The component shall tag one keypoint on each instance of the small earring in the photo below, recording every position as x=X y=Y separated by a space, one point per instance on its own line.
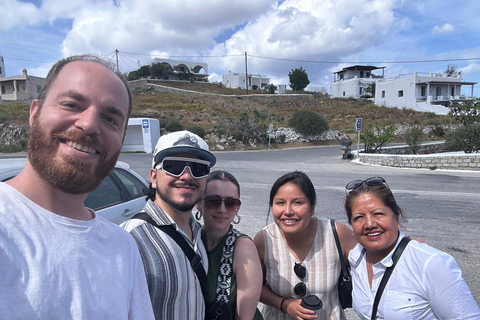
x=198 y=215
x=239 y=218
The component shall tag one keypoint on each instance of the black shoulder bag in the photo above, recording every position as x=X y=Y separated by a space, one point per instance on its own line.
x=345 y=281
x=193 y=257
x=388 y=272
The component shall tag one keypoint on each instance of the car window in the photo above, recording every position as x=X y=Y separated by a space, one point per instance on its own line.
x=132 y=184
x=105 y=195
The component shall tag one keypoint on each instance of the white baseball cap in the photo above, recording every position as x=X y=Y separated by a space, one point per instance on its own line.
x=182 y=142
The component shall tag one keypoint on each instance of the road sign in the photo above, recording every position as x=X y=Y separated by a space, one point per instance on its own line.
x=145 y=123
x=358 y=124
x=271 y=127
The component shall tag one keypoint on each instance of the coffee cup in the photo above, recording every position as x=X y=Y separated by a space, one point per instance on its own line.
x=312 y=302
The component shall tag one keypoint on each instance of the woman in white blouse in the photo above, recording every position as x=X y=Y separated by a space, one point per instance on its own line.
x=426 y=283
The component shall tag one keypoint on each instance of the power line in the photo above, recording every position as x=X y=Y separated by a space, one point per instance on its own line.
x=197 y=56
x=367 y=62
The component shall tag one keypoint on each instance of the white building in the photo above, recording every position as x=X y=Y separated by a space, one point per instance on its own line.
x=199 y=69
x=431 y=92
x=351 y=82
x=142 y=135
x=21 y=87
x=238 y=80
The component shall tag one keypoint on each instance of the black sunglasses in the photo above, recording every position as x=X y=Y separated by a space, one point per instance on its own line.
x=373 y=181
x=214 y=202
x=175 y=166
x=300 y=288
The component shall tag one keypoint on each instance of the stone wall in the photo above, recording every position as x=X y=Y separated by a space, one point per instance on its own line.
x=451 y=161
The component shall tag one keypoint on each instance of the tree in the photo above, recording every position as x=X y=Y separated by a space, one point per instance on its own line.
x=369 y=89
x=271 y=88
x=414 y=137
x=467 y=112
x=144 y=71
x=465 y=138
x=308 y=123
x=160 y=70
x=374 y=138
x=298 y=79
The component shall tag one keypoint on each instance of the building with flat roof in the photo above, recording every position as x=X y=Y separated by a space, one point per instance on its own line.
x=22 y=87
x=350 y=82
x=240 y=80
x=429 y=92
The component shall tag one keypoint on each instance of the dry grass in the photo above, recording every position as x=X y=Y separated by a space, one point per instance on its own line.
x=234 y=115
x=216 y=114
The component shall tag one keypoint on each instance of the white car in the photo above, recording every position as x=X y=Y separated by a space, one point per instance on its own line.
x=118 y=198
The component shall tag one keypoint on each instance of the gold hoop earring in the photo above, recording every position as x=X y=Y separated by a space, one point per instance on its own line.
x=198 y=215
x=239 y=218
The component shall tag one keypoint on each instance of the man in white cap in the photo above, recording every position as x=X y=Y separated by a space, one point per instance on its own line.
x=180 y=167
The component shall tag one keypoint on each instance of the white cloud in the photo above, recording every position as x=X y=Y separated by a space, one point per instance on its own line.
x=16 y=13
x=446 y=28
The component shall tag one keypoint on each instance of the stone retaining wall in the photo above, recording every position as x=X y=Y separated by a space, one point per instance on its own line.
x=433 y=161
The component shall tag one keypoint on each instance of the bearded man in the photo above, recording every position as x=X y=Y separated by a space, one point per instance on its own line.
x=58 y=259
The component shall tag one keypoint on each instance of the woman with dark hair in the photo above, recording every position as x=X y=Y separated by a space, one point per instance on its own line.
x=426 y=283
x=219 y=206
x=298 y=253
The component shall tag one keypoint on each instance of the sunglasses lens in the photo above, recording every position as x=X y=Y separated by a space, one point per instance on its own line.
x=199 y=169
x=300 y=289
x=300 y=270
x=214 y=202
x=176 y=168
x=375 y=181
x=354 y=184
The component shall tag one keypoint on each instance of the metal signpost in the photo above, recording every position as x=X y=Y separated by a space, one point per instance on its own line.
x=358 y=127
x=270 y=129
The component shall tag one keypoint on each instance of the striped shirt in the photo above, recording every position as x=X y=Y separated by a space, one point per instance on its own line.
x=323 y=270
x=174 y=288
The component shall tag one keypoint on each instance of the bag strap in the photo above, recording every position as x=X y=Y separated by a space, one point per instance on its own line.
x=346 y=276
x=388 y=272
x=193 y=257
x=224 y=279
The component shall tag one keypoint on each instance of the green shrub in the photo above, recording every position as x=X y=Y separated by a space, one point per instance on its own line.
x=465 y=139
x=173 y=125
x=308 y=123
x=414 y=137
x=198 y=131
x=162 y=122
x=439 y=131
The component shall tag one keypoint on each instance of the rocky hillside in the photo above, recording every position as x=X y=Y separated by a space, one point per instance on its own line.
x=230 y=120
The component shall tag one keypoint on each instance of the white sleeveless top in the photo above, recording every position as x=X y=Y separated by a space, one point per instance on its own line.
x=323 y=270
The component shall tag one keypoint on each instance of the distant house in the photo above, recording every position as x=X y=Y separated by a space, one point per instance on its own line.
x=351 y=82
x=431 y=92
x=199 y=69
x=22 y=87
x=239 y=80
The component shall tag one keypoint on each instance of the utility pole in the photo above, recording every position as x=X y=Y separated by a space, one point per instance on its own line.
x=246 y=73
x=116 y=54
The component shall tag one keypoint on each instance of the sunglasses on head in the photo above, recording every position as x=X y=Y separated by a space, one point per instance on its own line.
x=214 y=202
x=175 y=166
x=373 y=181
x=300 y=288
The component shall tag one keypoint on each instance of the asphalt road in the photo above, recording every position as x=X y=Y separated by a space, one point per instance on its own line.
x=443 y=207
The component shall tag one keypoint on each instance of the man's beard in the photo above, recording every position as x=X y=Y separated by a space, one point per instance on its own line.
x=182 y=207
x=68 y=174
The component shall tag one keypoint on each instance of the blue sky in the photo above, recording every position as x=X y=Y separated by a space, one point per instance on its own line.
x=319 y=35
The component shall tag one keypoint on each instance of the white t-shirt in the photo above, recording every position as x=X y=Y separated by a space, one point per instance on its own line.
x=52 y=267
x=426 y=283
